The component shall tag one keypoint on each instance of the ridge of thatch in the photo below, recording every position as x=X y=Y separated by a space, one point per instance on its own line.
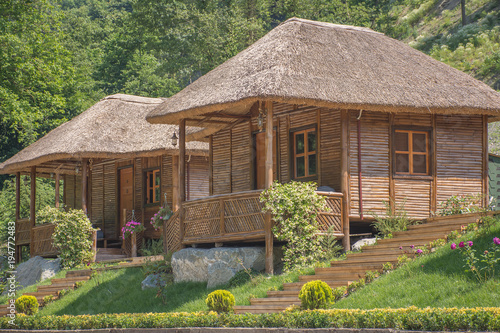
x=114 y=127
x=334 y=66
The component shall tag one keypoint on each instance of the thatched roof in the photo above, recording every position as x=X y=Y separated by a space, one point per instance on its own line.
x=329 y=65
x=115 y=127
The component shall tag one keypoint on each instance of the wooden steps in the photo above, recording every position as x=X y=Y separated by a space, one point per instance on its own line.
x=372 y=258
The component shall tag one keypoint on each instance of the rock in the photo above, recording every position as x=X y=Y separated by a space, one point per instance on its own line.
x=37 y=269
x=153 y=281
x=363 y=242
x=217 y=266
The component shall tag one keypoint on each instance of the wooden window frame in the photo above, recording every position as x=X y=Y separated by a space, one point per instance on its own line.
x=306 y=154
x=153 y=172
x=428 y=153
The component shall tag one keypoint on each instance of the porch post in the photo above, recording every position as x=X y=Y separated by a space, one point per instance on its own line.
x=18 y=196
x=58 y=177
x=269 y=181
x=84 y=184
x=175 y=183
x=32 y=208
x=182 y=173
x=344 y=181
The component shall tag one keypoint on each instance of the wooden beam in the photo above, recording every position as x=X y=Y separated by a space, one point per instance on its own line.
x=486 y=198
x=182 y=174
x=18 y=196
x=344 y=178
x=225 y=115
x=434 y=166
x=268 y=183
x=58 y=176
x=392 y=190
x=175 y=183
x=84 y=184
x=32 y=208
x=210 y=165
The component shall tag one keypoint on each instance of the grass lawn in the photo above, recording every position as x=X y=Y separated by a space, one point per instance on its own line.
x=118 y=291
x=436 y=280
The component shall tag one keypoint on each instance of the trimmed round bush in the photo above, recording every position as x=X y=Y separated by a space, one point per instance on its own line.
x=220 y=301
x=27 y=305
x=316 y=295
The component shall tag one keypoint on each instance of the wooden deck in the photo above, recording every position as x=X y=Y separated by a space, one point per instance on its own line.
x=236 y=217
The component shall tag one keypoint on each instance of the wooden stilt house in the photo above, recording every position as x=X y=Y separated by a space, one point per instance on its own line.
x=367 y=117
x=111 y=162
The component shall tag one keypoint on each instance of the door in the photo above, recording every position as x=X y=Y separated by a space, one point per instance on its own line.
x=260 y=159
x=126 y=191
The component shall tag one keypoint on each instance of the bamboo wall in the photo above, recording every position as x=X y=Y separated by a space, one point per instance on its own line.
x=458 y=169
x=104 y=190
x=459 y=162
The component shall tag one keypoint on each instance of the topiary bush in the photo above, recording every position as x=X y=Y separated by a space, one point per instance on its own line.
x=73 y=238
x=220 y=301
x=316 y=295
x=27 y=305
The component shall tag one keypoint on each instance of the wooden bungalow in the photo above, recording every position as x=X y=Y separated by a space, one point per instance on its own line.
x=367 y=117
x=112 y=162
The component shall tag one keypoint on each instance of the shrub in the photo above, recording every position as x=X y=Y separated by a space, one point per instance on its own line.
x=242 y=277
x=394 y=220
x=27 y=305
x=220 y=301
x=370 y=276
x=461 y=204
x=339 y=292
x=355 y=285
x=48 y=299
x=316 y=295
x=49 y=215
x=294 y=207
x=387 y=267
x=73 y=238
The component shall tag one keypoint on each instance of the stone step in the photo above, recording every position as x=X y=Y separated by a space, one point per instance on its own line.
x=369 y=260
x=57 y=285
x=240 y=309
x=284 y=301
x=375 y=253
x=395 y=245
x=72 y=279
x=110 y=257
x=446 y=220
x=42 y=294
x=283 y=293
x=109 y=251
x=55 y=289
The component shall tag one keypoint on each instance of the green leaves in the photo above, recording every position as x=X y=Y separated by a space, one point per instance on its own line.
x=294 y=207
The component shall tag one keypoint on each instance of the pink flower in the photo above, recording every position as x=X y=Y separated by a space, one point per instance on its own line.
x=496 y=240
x=400 y=247
x=161 y=218
x=453 y=246
x=462 y=244
x=419 y=251
x=470 y=243
x=412 y=246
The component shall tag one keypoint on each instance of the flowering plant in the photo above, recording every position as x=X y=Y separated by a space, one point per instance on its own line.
x=130 y=228
x=482 y=266
x=163 y=215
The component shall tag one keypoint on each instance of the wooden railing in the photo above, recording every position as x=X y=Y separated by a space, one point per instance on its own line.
x=331 y=220
x=239 y=217
x=42 y=241
x=227 y=217
x=23 y=228
x=172 y=233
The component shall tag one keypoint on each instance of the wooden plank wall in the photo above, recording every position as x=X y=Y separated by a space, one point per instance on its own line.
x=97 y=189
x=330 y=148
x=221 y=163
x=73 y=191
x=110 y=218
x=459 y=155
x=374 y=162
x=198 y=177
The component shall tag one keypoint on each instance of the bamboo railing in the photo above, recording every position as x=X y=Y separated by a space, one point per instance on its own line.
x=172 y=234
x=239 y=217
x=23 y=227
x=42 y=242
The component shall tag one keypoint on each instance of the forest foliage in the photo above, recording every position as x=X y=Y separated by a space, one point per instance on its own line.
x=58 y=57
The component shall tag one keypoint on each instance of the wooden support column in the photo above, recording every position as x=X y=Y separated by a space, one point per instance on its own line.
x=84 y=184
x=268 y=183
x=32 y=208
x=18 y=196
x=434 y=166
x=58 y=177
x=486 y=198
x=182 y=174
x=344 y=179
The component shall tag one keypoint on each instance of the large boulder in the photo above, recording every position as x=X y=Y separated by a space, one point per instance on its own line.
x=153 y=281
x=218 y=265
x=363 y=242
x=37 y=269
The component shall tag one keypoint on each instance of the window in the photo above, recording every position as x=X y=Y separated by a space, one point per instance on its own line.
x=153 y=186
x=411 y=152
x=304 y=153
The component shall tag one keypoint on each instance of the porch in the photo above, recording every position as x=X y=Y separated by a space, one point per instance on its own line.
x=236 y=217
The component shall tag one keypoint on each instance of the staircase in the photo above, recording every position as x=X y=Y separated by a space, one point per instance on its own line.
x=110 y=254
x=342 y=273
x=55 y=286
